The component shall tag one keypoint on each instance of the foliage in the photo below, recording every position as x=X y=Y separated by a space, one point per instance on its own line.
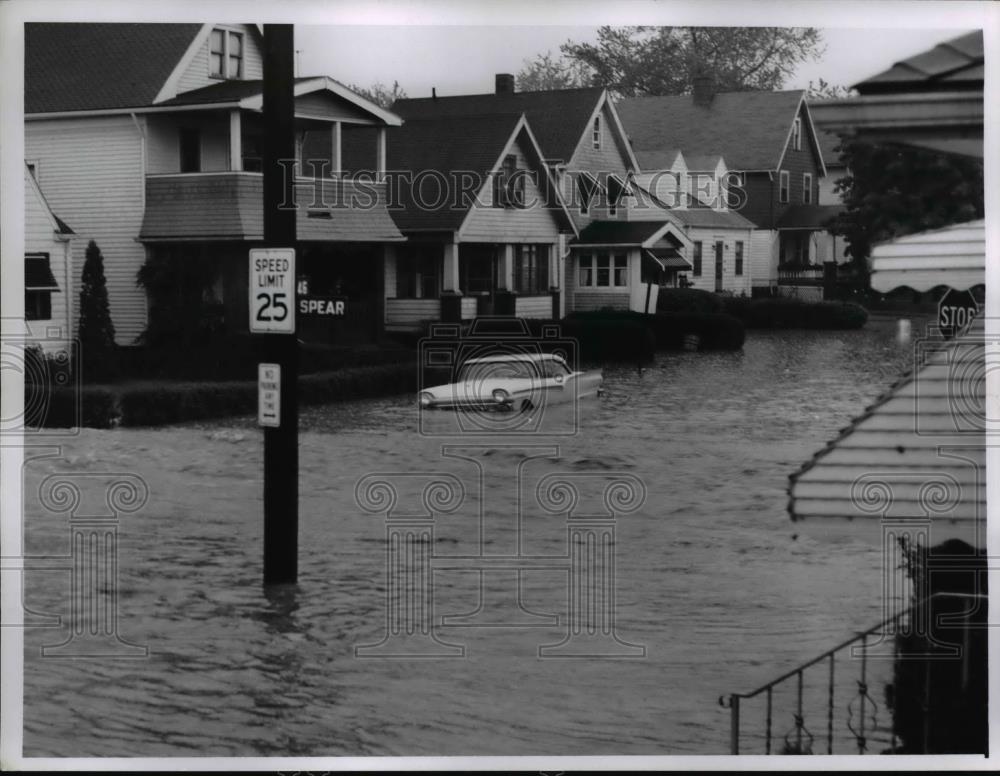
x=98 y=354
x=382 y=95
x=545 y=72
x=634 y=61
x=182 y=315
x=688 y=300
x=714 y=331
x=611 y=335
x=91 y=406
x=782 y=313
x=891 y=191
x=822 y=90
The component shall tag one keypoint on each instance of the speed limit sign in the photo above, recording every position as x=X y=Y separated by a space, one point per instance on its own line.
x=272 y=290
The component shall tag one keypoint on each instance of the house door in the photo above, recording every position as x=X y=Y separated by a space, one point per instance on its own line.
x=718 y=266
x=480 y=269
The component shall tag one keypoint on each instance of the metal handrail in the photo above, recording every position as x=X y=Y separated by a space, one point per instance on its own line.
x=732 y=700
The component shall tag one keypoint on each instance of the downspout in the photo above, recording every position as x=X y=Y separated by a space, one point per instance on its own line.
x=141 y=130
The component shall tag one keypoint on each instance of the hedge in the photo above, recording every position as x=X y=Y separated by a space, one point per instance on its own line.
x=622 y=335
x=713 y=331
x=150 y=404
x=688 y=300
x=781 y=313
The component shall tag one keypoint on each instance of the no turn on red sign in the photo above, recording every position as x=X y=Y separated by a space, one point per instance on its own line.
x=272 y=291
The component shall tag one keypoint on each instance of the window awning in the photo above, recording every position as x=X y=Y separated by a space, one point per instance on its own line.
x=38 y=275
x=666 y=259
x=954 y=256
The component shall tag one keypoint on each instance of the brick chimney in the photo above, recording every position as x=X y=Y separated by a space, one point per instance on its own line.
x=704 y=90
x=504 y=83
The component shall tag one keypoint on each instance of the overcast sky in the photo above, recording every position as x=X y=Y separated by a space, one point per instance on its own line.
x=464 y=59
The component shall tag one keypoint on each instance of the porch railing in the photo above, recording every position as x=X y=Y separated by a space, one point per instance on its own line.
x=866 y=722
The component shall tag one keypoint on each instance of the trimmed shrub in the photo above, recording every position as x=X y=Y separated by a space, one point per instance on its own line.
x=611 y=335
x=96 y=332
x=92 y=406
x=714 y=331
x=781 y=313
x=688 y=300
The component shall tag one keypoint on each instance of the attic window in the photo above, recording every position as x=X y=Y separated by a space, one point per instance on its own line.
x=783 y=186
x=225 y=54
x=597 y=133
x=797 y=134
x=509 y=184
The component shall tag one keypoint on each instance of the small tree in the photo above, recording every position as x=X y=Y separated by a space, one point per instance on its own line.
x=98 y=356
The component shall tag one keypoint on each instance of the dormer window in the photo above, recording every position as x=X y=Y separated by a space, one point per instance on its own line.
x=597 y=133
x=225 y=54
x=797 y=134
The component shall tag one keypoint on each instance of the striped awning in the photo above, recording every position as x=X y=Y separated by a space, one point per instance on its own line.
x=954 y=256
x=666 y=259
x=916 y=458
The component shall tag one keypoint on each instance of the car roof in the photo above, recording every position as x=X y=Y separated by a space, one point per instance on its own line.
x=532 y=357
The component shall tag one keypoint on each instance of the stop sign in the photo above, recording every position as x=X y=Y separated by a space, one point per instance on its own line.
x=955 y=312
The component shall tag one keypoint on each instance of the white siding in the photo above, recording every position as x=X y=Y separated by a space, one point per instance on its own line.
x=93 y=172
x=163 y=142
x=533 y=307
x=486 y=223
x=764 y=257
x=408 y=314
x=40 y=237
x=196 y=75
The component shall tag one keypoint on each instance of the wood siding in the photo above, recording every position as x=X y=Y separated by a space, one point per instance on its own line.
x=764 y=257
x=409 y=314
x=196 y=75
x=93 y=173
x=736 y=284
x=599 y=300
x=533 y=306
x=606 y=160
x=534 y=224
x=163 y=142
x=39 y=237
x=761 y=193
x=804 y=160
x=327 y=106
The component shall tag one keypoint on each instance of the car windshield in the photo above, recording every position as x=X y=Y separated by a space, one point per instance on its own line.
x=497 y=370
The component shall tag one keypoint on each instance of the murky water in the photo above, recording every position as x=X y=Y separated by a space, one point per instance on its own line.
x=711 y=579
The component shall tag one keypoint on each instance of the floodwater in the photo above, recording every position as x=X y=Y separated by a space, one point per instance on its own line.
x=715 y=591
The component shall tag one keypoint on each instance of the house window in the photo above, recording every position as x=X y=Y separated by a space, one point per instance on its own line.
x=39 y=284
x=807 y=188
x=225 y=54
x=597 y=133
x=586 y=270
x=696 y=260
x=508 y=184
x=603 y=270
x=531 y=269
x=738 y=258
x=621 y=270
x=190 y=147
x=418 y=275
x=797 y=134
x=783 y=186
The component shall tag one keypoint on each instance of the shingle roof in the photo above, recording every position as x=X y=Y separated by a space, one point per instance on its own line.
x=558 y=118
x=748 y=129
x=76 y=66
x=702 y=162
x=828 y=144
x=448 y=146
x=706 y=216
x=655 y=158
x=808 y=216
x=954 y=64
x=618 y=232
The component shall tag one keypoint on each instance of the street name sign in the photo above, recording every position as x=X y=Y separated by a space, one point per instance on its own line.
x=269 y=395
x=272 y=291
x=322 y=306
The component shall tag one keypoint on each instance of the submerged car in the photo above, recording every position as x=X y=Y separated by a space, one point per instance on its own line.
x=513 y=381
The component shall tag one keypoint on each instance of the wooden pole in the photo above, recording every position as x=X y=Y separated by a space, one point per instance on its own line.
x=281 y=444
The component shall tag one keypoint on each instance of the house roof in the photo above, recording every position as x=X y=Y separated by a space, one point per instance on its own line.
x=623 y=233
x=702 y=162
x=708 y=217
x=956 y=64
x=557 y=117
x=748 y=129
x=657 y=159
x=808 y=216
x=77 y=66
x=828 y=142
x=444 y=146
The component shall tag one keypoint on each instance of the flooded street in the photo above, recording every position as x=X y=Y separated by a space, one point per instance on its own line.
x=712 y=579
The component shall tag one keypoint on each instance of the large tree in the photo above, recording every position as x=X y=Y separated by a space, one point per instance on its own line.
x=894 y=190
x=664 y=60
x=546 y=72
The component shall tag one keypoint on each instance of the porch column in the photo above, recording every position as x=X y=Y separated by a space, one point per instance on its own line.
x=507 y=267
x=335 y=163
x=235 y=141
x=380 y=157
x=449 y=277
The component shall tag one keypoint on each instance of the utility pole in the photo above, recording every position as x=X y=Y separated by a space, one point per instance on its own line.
x=281 y=442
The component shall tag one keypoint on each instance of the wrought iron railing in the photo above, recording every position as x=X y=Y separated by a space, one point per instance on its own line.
x=862 y=728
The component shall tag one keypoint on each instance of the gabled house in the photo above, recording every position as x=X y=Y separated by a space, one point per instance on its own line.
x=584 y=147
x=147 y=138
x=774 y=161
x=48 y=276
x=484 y=221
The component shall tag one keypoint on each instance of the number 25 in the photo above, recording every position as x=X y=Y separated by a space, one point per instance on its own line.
x=275 y=301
